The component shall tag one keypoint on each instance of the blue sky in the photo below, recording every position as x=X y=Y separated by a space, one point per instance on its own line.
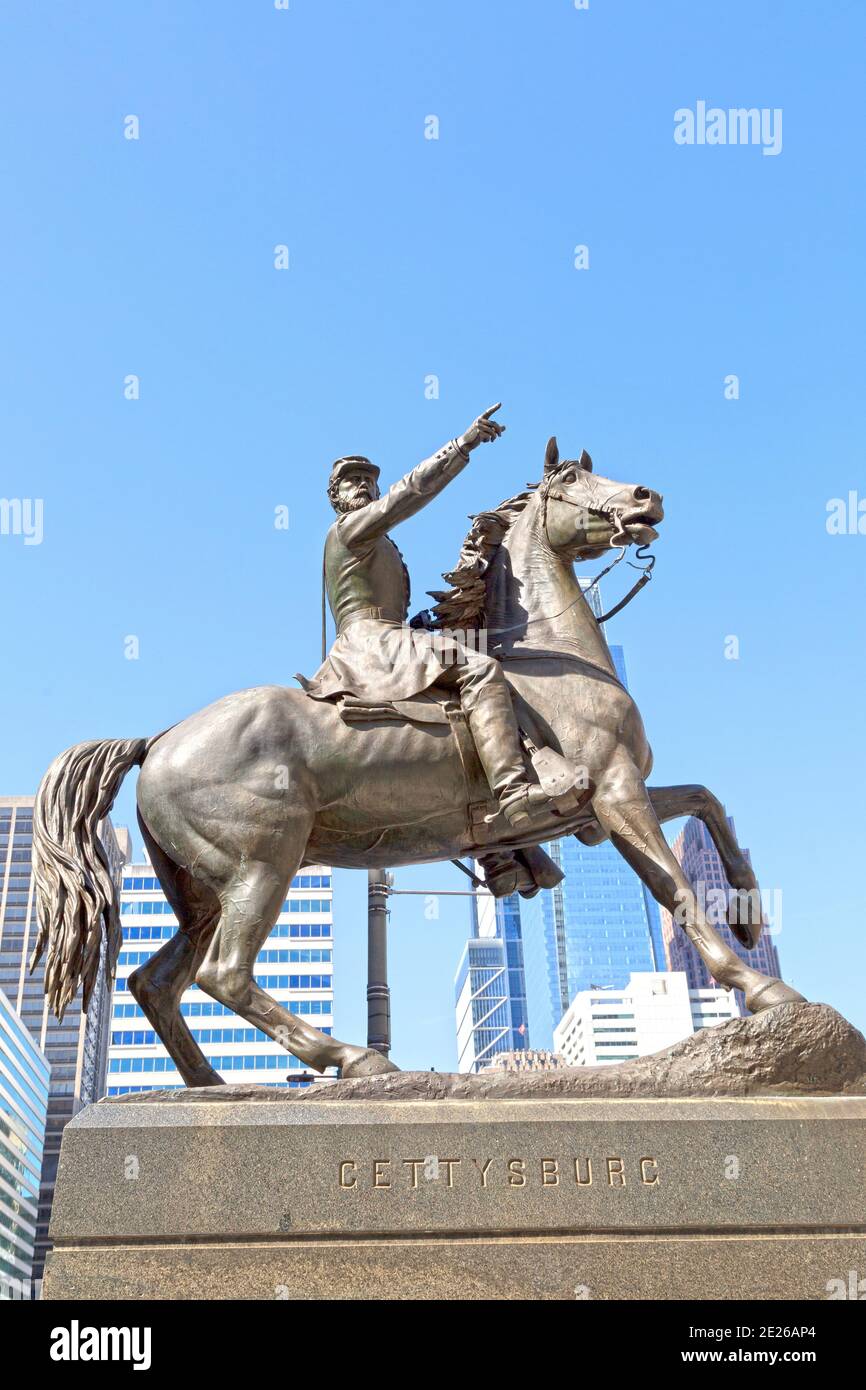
x=454 y=257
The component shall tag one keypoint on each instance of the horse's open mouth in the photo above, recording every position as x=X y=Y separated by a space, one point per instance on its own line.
x=638 y=526
x=640 y=532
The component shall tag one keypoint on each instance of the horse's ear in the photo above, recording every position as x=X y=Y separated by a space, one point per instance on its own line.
x=585 y=461
x=551 y=455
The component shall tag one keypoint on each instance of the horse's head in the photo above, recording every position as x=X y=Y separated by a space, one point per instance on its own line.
x=585 y=515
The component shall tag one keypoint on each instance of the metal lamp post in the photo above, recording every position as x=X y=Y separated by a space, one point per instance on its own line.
x=379 y=888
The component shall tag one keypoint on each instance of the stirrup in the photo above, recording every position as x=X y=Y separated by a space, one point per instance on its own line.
x=506 y=873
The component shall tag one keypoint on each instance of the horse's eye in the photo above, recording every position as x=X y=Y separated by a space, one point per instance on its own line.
x=570 y=477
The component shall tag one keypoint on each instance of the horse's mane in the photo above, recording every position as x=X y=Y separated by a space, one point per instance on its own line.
x=462 y=606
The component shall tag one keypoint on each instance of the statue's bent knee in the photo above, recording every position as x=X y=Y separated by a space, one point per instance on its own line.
x=474 y=673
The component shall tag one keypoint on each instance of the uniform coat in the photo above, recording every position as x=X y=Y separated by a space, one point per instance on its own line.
x=376 y=655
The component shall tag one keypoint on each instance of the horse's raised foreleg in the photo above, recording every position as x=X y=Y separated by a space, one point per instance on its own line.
x=626 y=813
x=669 y=803
x=745 y=917
x=251 y=903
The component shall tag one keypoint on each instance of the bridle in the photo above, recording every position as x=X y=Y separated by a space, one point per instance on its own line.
x=614 y=516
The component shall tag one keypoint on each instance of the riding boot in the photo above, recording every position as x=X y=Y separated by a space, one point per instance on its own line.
x=497 y=739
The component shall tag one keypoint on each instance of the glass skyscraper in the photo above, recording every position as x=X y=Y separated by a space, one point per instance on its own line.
x=295 y=965
x=489 y=991
x=76 y=1047
x=481 y=1003
x=593 y=930
x=24 y=1077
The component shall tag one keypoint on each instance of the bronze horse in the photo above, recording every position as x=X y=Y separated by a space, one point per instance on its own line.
x=233 y=800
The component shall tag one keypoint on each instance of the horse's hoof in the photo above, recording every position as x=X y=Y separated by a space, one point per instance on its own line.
x=365 y=1061
x=746 y=917
x=772 y=993
x=747 y=933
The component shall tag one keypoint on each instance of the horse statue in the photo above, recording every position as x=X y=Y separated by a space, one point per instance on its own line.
x=235 y=799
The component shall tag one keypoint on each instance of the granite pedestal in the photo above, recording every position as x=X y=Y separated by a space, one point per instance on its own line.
x=264 y=1195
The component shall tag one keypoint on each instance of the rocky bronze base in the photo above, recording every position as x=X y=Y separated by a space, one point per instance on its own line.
x=554 y=1198
x=794 y=1050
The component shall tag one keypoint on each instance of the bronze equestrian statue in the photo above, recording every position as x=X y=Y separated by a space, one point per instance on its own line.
x=379 y=767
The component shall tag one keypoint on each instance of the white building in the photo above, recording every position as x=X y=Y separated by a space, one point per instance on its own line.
x=295 y=965
x=654 y=1010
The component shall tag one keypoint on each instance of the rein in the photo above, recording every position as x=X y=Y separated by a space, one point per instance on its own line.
x=645 y=577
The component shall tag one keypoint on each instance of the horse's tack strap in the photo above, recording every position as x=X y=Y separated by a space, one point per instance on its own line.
x=415 y=711
x=480 y=802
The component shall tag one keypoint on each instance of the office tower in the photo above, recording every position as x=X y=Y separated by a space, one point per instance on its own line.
x=489 y=1001
x=24 y=1080
x=76 y=1047
x=295 y=966
x=481 y=1003
x=651 y=1012
x=500 y=918
x=699 y=858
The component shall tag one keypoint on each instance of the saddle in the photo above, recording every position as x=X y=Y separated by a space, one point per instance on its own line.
x=558 y=777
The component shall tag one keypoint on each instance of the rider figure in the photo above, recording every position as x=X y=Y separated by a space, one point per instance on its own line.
x=376 y=655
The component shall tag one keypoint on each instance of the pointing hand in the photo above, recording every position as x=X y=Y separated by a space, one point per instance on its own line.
x=482 y=430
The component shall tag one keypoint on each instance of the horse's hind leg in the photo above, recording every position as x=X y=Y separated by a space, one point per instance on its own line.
x=158 y=984
x=251 y=903
x=624 y=810
x=157 y=987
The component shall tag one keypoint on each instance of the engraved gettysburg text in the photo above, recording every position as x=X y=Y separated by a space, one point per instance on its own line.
x=385 y=1174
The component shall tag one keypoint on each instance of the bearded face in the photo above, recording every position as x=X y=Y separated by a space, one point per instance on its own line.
x=354 y=489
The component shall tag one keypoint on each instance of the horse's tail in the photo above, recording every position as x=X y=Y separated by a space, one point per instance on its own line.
x=76 y=892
